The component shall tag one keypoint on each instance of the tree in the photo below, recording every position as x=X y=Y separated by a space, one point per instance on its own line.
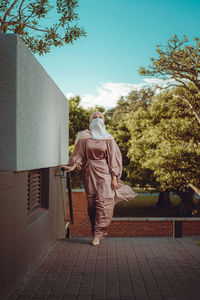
x=138 y=173
x=118 y=122
x=78 y=118
x=78 y=121
x=26 y=18
x=165 y=142
x=179 y=64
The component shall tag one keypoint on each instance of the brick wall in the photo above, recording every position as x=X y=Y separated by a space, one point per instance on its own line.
x=81 y=226
x=191 y=227
x=140 y=228
x=125 y=226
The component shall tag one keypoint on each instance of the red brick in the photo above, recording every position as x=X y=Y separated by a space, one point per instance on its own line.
x=124 y=228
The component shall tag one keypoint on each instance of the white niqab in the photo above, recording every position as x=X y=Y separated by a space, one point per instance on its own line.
x=98 y=129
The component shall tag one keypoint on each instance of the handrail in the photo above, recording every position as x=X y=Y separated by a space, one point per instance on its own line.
x=69 y=187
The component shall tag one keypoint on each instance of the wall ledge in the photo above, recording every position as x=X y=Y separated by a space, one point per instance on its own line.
x=155 y=219
x=77 y=190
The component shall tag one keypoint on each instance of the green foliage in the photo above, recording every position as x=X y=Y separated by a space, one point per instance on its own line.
x=4 y=5
x=118 y=123
x=179 y=61
x=165 y=144
x=26 y=18
x=78 y=118
x=158 y=136
x=176 y=60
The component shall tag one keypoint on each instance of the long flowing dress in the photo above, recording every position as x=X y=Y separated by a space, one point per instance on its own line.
x=100 y=160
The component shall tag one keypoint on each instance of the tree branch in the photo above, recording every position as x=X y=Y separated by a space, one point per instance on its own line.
x=42 y=30
x=167 y=86
x=9 y=10
x=187 y=88
x=196 y=189
x=19 y=14
x=35 y=28
x=21 y=7
x=197 y=115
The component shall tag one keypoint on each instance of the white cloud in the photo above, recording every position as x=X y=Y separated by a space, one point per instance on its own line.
x=70 y=95
x=108 y=93
x=154 y=81
x=158 y=81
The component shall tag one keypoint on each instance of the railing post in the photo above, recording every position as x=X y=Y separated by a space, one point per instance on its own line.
x=69 y=187
x=177 y=229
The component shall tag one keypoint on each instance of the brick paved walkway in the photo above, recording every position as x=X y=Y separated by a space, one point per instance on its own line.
x=119 y=268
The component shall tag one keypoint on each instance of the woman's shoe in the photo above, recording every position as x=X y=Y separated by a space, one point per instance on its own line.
x=95 y=241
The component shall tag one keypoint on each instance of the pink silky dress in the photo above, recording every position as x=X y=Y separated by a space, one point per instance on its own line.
x=99 y=161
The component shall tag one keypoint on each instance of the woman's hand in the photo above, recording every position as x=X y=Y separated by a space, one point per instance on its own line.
x=114 y=183
x=68 y=168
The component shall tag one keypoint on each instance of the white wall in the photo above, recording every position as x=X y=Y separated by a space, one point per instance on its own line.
x=39 y=114
x=7 y=104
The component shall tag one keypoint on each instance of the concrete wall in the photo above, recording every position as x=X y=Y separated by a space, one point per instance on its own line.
x=33 y=135
x=33 y=111
x=23 y=243
x=7 y=104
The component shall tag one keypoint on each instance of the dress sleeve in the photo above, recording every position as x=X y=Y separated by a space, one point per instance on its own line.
x=114 y=158
x=78 y=155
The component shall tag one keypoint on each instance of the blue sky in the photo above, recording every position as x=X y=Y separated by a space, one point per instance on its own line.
x=121 y=36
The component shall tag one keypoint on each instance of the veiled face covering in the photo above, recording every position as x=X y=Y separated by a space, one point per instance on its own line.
x=98 y=129
x=96 y=113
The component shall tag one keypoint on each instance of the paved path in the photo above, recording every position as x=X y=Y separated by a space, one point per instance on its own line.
x=119 y=268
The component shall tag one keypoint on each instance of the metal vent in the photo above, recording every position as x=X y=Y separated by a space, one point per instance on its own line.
x=34 y=191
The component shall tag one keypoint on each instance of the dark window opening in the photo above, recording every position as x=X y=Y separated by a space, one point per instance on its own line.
x=37 y=192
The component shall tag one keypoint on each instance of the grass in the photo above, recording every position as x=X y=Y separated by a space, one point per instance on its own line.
x=139 y=190
x=145 y=201
x=145 y=206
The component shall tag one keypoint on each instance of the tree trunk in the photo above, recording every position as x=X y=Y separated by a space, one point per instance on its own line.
x=164 y=199
x=187 y=205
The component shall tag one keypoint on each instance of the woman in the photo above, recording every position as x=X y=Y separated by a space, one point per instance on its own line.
x=98 y=155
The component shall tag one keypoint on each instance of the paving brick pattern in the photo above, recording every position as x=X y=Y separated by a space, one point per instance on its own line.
x=119 y=268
